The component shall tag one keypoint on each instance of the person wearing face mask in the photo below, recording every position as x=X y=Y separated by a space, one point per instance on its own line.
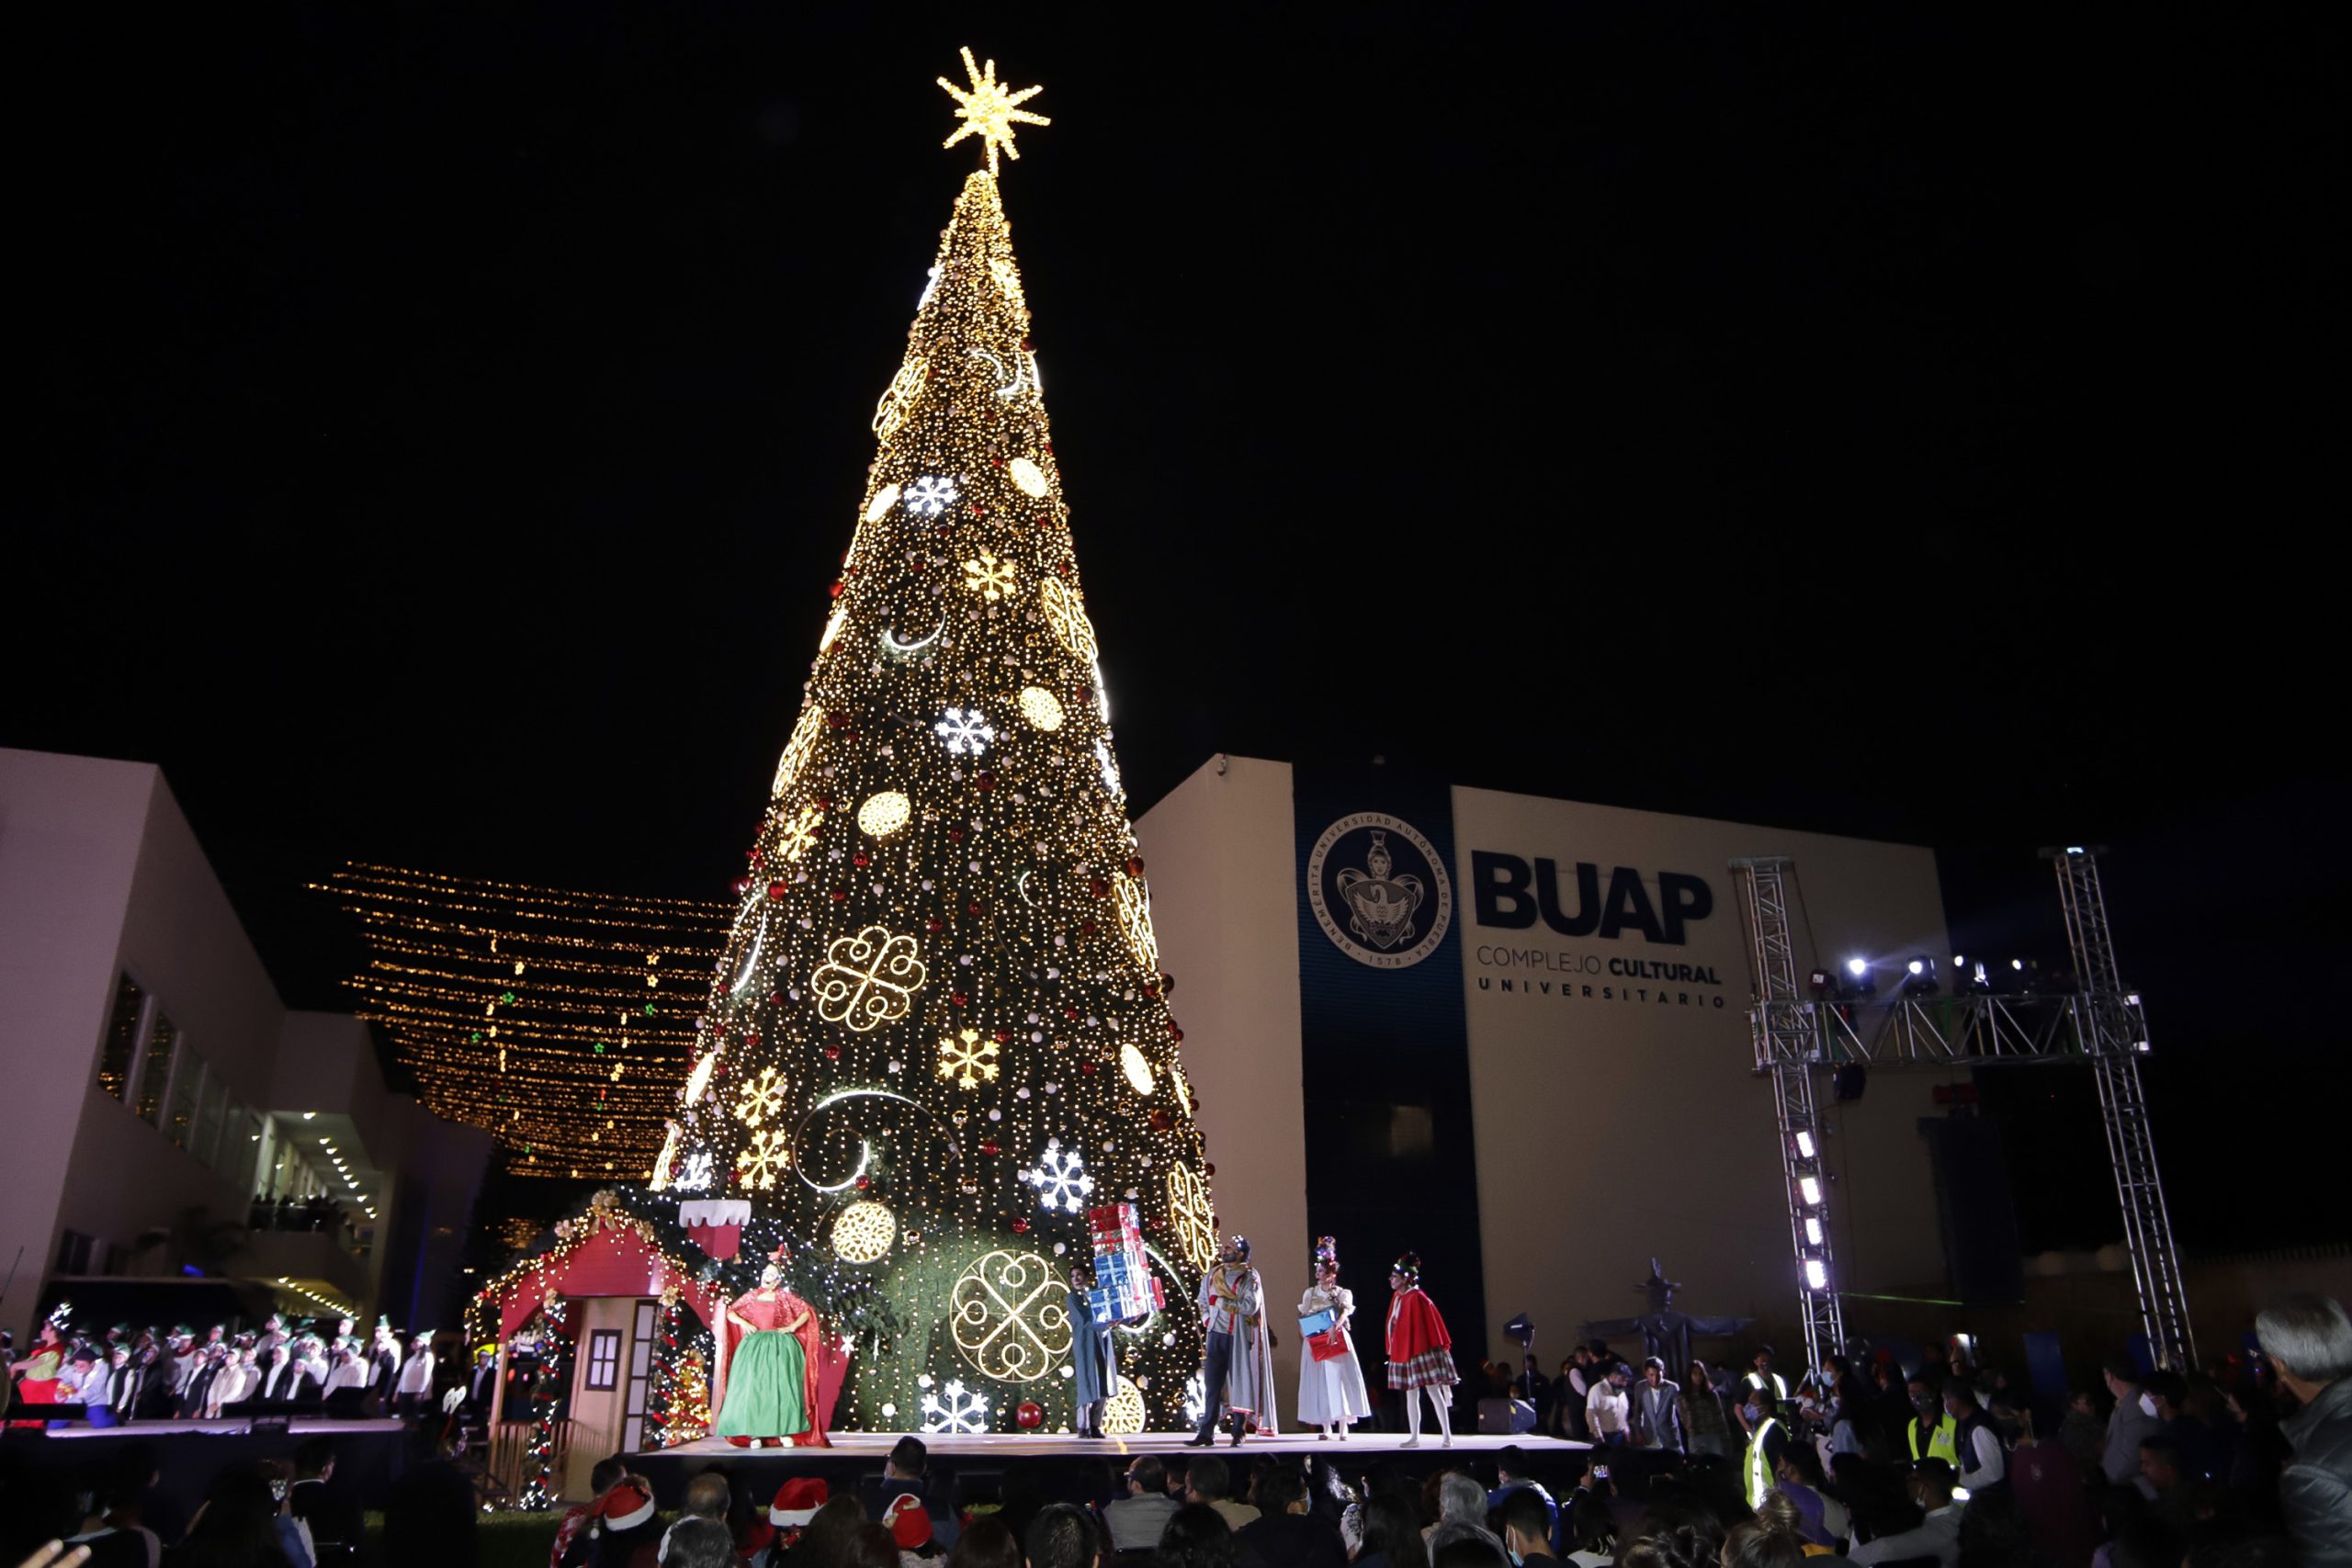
x=1931 y=1434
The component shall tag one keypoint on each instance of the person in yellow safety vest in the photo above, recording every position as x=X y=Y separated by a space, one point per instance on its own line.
x=1932 y=1433
x=1764 y=1389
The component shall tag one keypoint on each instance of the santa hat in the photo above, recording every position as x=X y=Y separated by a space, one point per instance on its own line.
x=906 y=1521
x=626 y=1506
x=796 y=1502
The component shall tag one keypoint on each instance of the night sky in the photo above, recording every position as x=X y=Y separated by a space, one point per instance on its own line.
x=438 y=425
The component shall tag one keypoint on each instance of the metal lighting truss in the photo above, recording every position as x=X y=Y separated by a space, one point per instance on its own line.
x=2099 y=1023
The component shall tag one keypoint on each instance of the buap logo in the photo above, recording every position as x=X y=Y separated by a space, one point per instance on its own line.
x=1379 y=890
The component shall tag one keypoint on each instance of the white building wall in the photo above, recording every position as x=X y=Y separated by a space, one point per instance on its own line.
x=1220 y=855
x=1607 y=1132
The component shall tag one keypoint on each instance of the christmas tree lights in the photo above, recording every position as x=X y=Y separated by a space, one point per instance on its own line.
x=940 y=977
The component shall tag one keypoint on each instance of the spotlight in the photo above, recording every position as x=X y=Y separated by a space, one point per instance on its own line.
x=1816 y=1274
x=1857 y=968
x=1809 y=1190
x=1812 y=1230
x=1804 y=1146
x=1919 y=978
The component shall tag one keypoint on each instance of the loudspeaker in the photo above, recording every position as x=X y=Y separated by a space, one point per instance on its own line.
x=1846 y=1085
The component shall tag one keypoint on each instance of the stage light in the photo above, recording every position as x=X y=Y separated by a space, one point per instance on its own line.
x=1959 y=961
x=2017 y=963
x=2131 y=1000
x=1916 y=967
x=1804 y=1146
x=1816 y=1274
x=1812 y=1230
x=1919 y=978
x=309 y=1115
x=1819 y=983
x=1809 y=1188
x=1857 y=968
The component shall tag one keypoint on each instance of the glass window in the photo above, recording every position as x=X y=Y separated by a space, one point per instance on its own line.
x=122 y=1038
x=155 y=1067
x=603 y=1358
x=208 y=1117
x=187 y=1092
x=240 y=1146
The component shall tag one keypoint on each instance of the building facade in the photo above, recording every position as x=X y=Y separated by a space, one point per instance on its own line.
x=173 y=1122
x=1511 y=1033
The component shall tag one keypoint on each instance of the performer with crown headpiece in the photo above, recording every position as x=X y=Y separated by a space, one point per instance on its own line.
x=1421 y=1352
x=1330 y=1380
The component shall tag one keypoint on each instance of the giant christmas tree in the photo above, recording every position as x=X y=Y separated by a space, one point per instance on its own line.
x=939 y=1036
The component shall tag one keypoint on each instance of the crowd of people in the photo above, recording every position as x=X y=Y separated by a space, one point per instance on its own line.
x=124 y=1374
x=2245 y=1463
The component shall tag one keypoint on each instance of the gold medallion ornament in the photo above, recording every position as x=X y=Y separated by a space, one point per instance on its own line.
x=863 y=1232
x=1041 y=707
x=1067 y=617
x=1138 y=1071
x=868 y=979
x=797 y=750
x=1028 y=475
x=1195 y=1221
x=1134 y=920
x=897 y=402
x=884 y=814
x=1123 y=1416
x=989 y=111
x=1008 y=1315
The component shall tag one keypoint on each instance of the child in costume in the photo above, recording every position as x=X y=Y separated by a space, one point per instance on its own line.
x=1330 y=1392
x=1421 y=1352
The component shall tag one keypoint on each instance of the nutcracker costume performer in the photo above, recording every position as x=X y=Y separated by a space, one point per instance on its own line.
x=1331 y=1391
x=1093 y=1358
x=765 y=1386
x=1240 y=1369
x=1421 y=1352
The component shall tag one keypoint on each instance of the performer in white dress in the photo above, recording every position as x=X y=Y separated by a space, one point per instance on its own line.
x=1330 y=1392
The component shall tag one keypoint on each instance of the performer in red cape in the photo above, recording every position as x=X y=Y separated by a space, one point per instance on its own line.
x=765 y=1387
x=1421 y=1352
x=40 y=1370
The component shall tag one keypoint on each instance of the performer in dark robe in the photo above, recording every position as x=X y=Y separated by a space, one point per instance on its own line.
x=1666 y=1333
x=1093 y=1358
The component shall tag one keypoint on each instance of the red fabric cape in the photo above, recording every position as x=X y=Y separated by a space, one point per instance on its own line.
x=773 y=1314
x=1414 y=1327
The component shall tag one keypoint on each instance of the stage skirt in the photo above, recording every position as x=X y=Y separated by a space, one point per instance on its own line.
x=765 y=1387
x=1430 y=1367
x=1331 y=1391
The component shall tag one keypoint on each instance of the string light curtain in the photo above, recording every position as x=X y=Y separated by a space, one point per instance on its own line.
x=561 y=1021
x=938 y=1039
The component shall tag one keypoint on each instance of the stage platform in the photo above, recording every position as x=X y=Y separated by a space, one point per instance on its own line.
x=1075 y=1467
x=370 y=1455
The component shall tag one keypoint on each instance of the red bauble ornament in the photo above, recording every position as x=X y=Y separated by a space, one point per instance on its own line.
x=984 y=781
x=1004 y=1037
x=1167 y=985
x=864 y=1182
x=835 y=591
x=991 y=1147
x=824 y=803
x=776 y=890
x=1029 y=1414
x=841 y=895
x=1134 y=866
x=1021 y=1227
x=832 y=1053
x=858 y=858
x=1069 y=1012
x=934 y=925
x=1088 y=927
x=1098 y=888
x=838 y=719
x=974 y=907
x=961 y=999
x=742 y=886
x=1160 y=1121
x=1174 y=1033
x=1210 y=1168
x=954 y=835
x=1087 y=1067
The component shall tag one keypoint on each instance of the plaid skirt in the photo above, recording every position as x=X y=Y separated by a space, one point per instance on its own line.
x=1428 y=1367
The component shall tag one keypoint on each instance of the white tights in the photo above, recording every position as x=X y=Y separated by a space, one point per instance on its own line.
x=1437 y=1392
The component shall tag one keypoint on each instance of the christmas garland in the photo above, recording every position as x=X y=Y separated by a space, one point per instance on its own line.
x=549 y=1390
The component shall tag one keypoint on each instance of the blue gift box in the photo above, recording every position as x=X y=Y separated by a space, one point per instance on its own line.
x=1318 y=1321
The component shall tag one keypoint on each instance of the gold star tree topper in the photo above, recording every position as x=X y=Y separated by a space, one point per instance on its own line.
x=989 y=111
